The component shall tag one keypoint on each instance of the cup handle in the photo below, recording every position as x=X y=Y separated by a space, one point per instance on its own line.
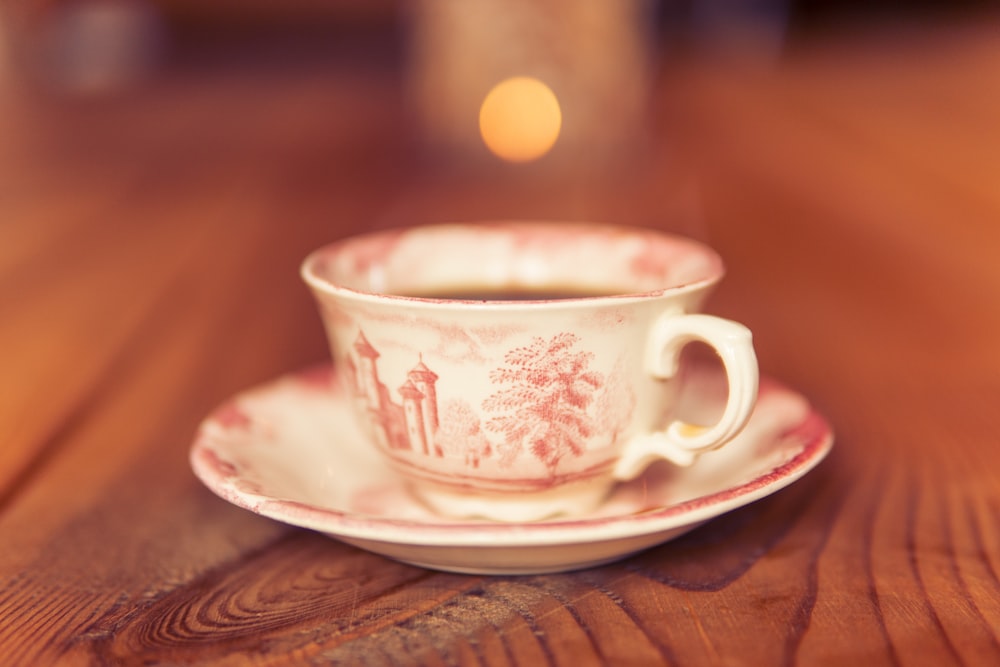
x=681 y=443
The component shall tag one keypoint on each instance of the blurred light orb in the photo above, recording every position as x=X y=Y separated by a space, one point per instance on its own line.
x=520 y=119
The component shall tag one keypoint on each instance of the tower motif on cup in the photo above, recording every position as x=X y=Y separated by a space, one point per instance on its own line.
x=409 y=424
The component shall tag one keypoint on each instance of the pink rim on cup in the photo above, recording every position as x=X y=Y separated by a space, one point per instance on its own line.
x=517 y=370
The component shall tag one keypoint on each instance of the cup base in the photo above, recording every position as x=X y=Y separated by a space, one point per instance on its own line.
x=512 y=506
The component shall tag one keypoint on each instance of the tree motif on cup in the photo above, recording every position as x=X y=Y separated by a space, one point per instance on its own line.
x=461 y=433
x=614 y=404
x=546 y=389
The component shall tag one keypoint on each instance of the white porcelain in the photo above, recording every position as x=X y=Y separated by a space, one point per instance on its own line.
x=290 y=450
x=519 y=410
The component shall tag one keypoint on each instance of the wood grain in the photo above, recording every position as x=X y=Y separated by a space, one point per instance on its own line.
x=149 y=247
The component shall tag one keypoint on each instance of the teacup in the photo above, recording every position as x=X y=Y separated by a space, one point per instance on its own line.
x=517 y=371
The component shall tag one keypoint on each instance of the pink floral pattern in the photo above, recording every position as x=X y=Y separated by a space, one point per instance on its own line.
x=547 y=404
x=232 y=416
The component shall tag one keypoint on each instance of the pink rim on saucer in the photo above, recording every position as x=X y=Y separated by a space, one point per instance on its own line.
x=289 y=450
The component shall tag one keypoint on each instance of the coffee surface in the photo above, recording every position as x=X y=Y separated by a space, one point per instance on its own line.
x=542 y=293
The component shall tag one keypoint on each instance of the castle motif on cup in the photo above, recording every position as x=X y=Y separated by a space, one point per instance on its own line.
x=547 y=404
x=410 y=424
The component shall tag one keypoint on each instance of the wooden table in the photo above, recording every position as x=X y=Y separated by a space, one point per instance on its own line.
x=149 y=246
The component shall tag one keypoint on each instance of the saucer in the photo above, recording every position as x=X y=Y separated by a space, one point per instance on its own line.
x=290 y=450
